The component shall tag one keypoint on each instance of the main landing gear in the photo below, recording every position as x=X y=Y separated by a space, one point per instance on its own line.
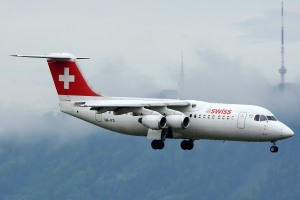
x=157 y=144
x=160 y=144
x=187 y=144
x=274 y=148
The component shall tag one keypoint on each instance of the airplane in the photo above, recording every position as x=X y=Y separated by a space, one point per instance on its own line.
x=160 y=119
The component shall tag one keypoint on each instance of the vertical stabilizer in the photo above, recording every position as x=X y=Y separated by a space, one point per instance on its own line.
x=67 y=77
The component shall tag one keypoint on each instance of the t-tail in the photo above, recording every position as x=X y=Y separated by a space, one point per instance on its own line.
x=68 y=79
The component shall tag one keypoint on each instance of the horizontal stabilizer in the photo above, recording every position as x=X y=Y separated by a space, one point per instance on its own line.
x=53 y=56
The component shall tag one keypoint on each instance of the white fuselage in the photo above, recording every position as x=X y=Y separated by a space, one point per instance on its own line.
x=207 y=121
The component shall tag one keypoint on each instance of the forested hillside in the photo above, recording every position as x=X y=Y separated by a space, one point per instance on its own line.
x=106 y=165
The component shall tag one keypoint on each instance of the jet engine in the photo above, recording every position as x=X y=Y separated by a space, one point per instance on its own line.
x=178 y=121
x=155 y=122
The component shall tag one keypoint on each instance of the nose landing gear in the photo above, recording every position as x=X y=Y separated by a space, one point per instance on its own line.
x=274 y=148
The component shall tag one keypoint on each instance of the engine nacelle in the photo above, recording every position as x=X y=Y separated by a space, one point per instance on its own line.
x=178 y=121
x=155 y=122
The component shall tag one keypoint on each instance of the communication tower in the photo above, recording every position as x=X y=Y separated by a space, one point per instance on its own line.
x=181 y=78
x=282 y=70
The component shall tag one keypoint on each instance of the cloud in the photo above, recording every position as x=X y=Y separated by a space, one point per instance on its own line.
x=114 y=77
x=218 y=78
x=267 y=27
x=284 y=101
x=214 y=77
x=137 y=47
x=28 y=127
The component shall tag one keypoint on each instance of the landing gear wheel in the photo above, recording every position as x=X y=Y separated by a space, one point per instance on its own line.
x=187 y=144
x=274 y=149
x=161 y=145
x=183 y=144
x=157 y=144
x=191 y=145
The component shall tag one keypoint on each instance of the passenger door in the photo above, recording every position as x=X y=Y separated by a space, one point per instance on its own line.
x=241 y=120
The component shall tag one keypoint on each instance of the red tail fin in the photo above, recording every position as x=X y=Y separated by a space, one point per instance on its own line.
x=68 y=79
x=66 y=74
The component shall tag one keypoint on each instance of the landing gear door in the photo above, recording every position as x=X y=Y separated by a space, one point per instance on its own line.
x=241 y=120
x=98 y=117
x=154 y=134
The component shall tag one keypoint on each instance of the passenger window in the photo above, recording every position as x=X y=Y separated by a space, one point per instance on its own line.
x=195 y=116
x=232 y=118
x=263 y=118
x=204 y=116
x=200 y=116
x=208 y=116
x=219 y=117
x=213 y=117
x=191 y=115
x=256 y=118
x=228 y=117
x=223 y=117
x=250 y=116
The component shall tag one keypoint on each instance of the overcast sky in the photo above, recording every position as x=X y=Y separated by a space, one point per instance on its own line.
x=231 y=48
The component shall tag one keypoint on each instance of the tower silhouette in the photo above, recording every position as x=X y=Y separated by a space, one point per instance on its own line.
x=282 y=71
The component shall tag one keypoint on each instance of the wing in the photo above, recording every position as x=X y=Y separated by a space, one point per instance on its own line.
x=137 y=106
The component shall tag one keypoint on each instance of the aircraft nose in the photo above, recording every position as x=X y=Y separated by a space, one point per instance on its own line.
x=286 y=131
x=289 y=132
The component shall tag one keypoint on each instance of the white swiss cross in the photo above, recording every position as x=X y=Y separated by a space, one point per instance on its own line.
x=66 y=78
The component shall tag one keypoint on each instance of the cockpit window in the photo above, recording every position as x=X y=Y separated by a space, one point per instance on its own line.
x=263 y=118
x=271 y=118
x=256 y=118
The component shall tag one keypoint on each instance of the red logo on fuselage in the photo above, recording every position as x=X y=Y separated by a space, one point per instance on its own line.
x=219 y=111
